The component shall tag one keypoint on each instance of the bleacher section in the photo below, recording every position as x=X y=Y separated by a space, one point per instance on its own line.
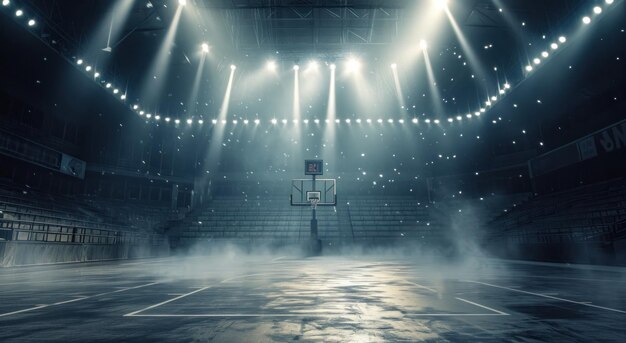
x=360 y=219
x=588 y=213
x=63 y=229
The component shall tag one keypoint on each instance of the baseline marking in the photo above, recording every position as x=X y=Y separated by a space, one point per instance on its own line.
x=73 y=300
x=583 y=303
x=483 y=306
x=166 y=301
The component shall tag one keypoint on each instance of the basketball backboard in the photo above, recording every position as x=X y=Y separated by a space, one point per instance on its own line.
x=303 y=193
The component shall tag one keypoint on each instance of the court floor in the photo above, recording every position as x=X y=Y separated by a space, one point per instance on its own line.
x=232 y=297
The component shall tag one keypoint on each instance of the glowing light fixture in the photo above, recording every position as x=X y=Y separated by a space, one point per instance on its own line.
x=205 y=48
x=441 y=4
x=608 y=2
x=296 y=67
x=32 y=22
x=96 y=75
x=79 y=61
x=6 y=3
x=271 y=65
x=19 y=13
x=394 y=66
x=536 y=61
x=545 y=54
x=423 y=44
x=353 y=64
x=274 y=121
x=257 y=122
x=182 y=2
x=562 y=39
x=332 y=66
x=597 y=10
x=586 y=20
x=554 y=46
x=189 y=121
x=233 y=67
x=88 y=68
x=414 y=120
x=167 y=119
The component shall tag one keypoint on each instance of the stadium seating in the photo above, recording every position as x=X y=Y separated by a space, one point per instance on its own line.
x=588 y=213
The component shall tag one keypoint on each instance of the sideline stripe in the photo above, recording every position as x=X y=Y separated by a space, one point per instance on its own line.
x=73 y=300
x=483 y=306
x=167 y=301
x=582 y=303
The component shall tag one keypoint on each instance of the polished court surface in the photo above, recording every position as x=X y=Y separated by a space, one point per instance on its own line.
x=231 y=297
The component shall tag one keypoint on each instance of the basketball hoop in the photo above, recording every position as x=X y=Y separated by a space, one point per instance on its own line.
x=314 y=203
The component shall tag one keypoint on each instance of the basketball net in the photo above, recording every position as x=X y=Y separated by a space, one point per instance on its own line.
x=314 y=203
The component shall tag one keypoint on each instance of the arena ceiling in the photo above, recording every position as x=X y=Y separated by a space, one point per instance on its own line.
x=459 y=67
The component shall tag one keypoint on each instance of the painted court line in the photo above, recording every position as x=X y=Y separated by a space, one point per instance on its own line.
x=483 y=306
x=330 y=315
x=166 y=302
x=583 y=303
x=421 y=286
x=73 y=300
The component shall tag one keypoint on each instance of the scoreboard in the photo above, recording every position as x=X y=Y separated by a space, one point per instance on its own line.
x=313 y=167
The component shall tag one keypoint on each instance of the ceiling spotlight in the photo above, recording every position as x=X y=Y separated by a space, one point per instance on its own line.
x=337 y=121
x=274 y=121
x=414 y=120
x=32 y=22
x=394 y=66
x=353 y=64
x=597 y=10
x=586 y=20
x=246 y=121
x=554 y=46
x=507 y=85
x=390 y=121
x=562 y=39
x=214 y=121
x=141 y=113
x=115 y=91
x=348 y=121
x=233 y=67
x=189 y=121
x=317 y=121
x=536 y=61
x=123 y=97
x=459 y=118
x=608 y=2
x=177 y=121
x=401 y=121
x=332 y=66
x=157 y=117
x=88 y=68
x=6 y=3
x=380 y=121
x=423 y=44
x=529 y=68
x=271 y=65
x=182 y=2
x=358 y=121
x=205 y=48
x=545 y=54
x=296 y=67
x=441 y=4
x=312 y=65
x=427 y=121
x=108 y=85
x=167 y=119
x=256 y=121
x=235 y=121
x=149 y=115
x=284 y=121
x=200 y=121
x=19 y=13
x=96 y=75
x=79 y=61
x=306 y=121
